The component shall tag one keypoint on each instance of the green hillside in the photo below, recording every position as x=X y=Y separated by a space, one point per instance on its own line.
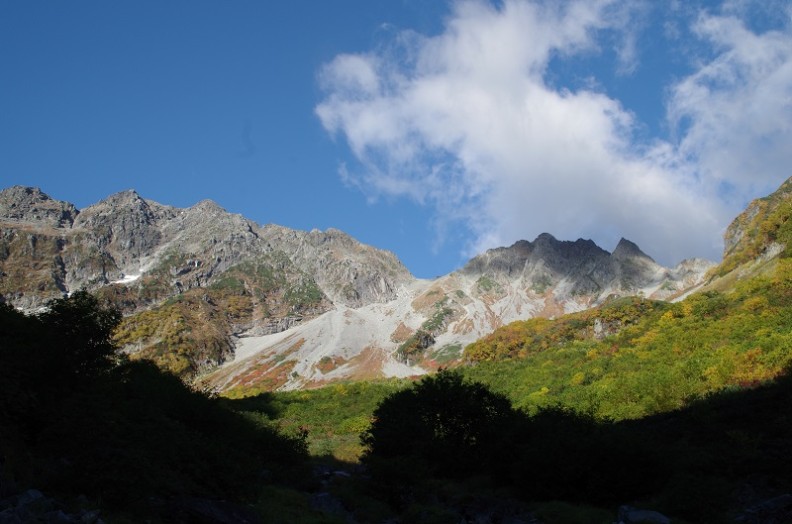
x=662 y=356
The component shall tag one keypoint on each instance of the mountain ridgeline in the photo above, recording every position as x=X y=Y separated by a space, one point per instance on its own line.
x=209 y=293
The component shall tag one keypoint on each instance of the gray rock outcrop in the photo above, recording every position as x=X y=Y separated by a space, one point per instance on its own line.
x=30 y=204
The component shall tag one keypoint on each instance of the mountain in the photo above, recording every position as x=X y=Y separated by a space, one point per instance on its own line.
x=210 y=294
x=632 y=357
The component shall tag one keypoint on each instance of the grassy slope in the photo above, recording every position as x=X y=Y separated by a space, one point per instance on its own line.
x=333 y=416
x=674 y=353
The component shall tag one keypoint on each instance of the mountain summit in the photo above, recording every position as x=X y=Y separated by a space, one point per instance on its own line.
x=207 y=292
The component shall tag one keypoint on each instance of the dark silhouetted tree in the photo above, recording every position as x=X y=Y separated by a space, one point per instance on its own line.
x=450 y=426
x=81 y=332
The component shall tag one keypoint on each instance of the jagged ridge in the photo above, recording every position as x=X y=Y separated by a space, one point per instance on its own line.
x=201 y=286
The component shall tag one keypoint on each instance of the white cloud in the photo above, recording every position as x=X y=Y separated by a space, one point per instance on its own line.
x=737 y=108
x=464 y=121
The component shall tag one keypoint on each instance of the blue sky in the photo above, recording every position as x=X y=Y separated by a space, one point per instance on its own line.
x=432 y=129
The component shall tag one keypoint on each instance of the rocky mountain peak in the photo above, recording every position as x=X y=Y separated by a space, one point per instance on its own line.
x=348 y=271
x=209 y=206
x=208 y=221
x=125 y=225
x=545 y=238
x=626 y=249
x=30 y=204
x=545 y=248
x=331 y=235
x=584 y=267
x=127 y=195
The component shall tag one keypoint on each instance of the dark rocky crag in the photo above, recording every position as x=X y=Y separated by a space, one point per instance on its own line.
x=584 y=266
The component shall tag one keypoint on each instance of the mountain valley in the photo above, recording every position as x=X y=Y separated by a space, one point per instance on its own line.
x=619 y=381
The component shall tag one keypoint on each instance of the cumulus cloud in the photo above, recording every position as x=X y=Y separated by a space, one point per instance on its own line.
x=466 y=122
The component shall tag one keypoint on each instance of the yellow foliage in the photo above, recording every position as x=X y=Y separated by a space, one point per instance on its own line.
x=341 y=389
x=541 y=392
x=714 y=377
x=756 y=304
x=646 y=338
x=687 y=307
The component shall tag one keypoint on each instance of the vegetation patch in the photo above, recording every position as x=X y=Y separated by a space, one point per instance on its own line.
x=332 y=417
x=447 y=354
x=428 y=299
x=522 y=338
x=328 y=364
x=487 y=284
x=766 y=221
x=541 y=284
x=412 y=350
x=439 y=318
x=401 y=333
x=303 y=295
x=267 y=376
x=186 y=334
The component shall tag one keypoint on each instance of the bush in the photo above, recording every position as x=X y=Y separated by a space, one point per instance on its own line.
x=452 y=426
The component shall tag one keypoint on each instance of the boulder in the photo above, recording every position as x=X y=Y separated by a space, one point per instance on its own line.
x=630 y=515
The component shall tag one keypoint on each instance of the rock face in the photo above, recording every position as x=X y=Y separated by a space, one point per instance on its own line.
x=586 y=268
x=763 y=230
x=125 y=225
x=350 y=273
x=207 y=292
x=576 y=275
x=30 y=204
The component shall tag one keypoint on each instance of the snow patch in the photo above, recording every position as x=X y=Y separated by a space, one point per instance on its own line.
x=127 y=279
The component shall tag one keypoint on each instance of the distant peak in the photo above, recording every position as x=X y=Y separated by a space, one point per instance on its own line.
x=546 y=237
x=627 y=244
x=128 y=199
x=124 y=196
x=626 y=248
x=33 y=205
x=208 y=205
x=26 y=192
